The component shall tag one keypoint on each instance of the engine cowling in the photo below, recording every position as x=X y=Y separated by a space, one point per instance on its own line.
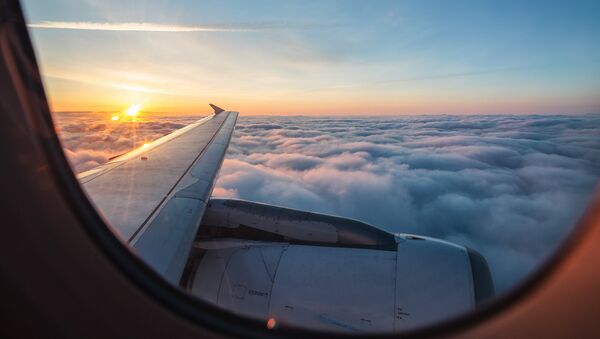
x=273 y=271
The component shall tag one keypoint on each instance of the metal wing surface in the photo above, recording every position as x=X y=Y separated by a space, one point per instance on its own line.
x=155 y=196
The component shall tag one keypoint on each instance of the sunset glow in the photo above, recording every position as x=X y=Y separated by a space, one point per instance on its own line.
x=133 y=110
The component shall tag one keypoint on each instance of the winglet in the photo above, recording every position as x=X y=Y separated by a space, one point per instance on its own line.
x=217 y=109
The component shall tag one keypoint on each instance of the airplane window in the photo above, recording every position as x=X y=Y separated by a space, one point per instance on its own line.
x=337 y=166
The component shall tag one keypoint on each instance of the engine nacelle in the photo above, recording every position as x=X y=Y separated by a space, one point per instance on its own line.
x=327 y=282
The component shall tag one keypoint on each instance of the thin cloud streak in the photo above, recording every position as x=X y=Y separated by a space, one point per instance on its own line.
x=138 y=27
x=468 y=73
x=170 y=28
x=109 y=83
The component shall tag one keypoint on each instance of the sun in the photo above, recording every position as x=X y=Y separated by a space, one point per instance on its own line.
x=133 y=110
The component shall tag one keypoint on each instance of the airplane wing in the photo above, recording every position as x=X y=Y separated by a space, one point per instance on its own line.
x=155 y=196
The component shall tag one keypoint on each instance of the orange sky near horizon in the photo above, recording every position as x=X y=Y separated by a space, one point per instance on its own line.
x=77 y=96
x=296 y=106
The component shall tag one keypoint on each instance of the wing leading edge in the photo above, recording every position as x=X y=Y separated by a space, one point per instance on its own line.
x=155 y=196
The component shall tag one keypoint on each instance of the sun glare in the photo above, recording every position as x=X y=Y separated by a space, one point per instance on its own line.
x=133 y=110
x=115 y=118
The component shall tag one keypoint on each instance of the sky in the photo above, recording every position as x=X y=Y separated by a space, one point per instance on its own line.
x=327 y=57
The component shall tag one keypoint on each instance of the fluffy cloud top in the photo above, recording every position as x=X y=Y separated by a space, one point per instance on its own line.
x=510 y=187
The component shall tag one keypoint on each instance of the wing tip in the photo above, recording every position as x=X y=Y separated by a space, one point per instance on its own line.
x=217 y=109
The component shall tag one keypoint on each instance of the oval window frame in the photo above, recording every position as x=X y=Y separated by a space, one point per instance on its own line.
x=39 y=119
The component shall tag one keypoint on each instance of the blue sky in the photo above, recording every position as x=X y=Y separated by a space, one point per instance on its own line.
x=323 y=57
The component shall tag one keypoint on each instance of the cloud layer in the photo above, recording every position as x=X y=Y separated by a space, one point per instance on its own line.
x=510 y=187
x=91 y=139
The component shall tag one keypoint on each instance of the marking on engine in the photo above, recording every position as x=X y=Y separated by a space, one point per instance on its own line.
x=400 y=314
x=257 y=293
